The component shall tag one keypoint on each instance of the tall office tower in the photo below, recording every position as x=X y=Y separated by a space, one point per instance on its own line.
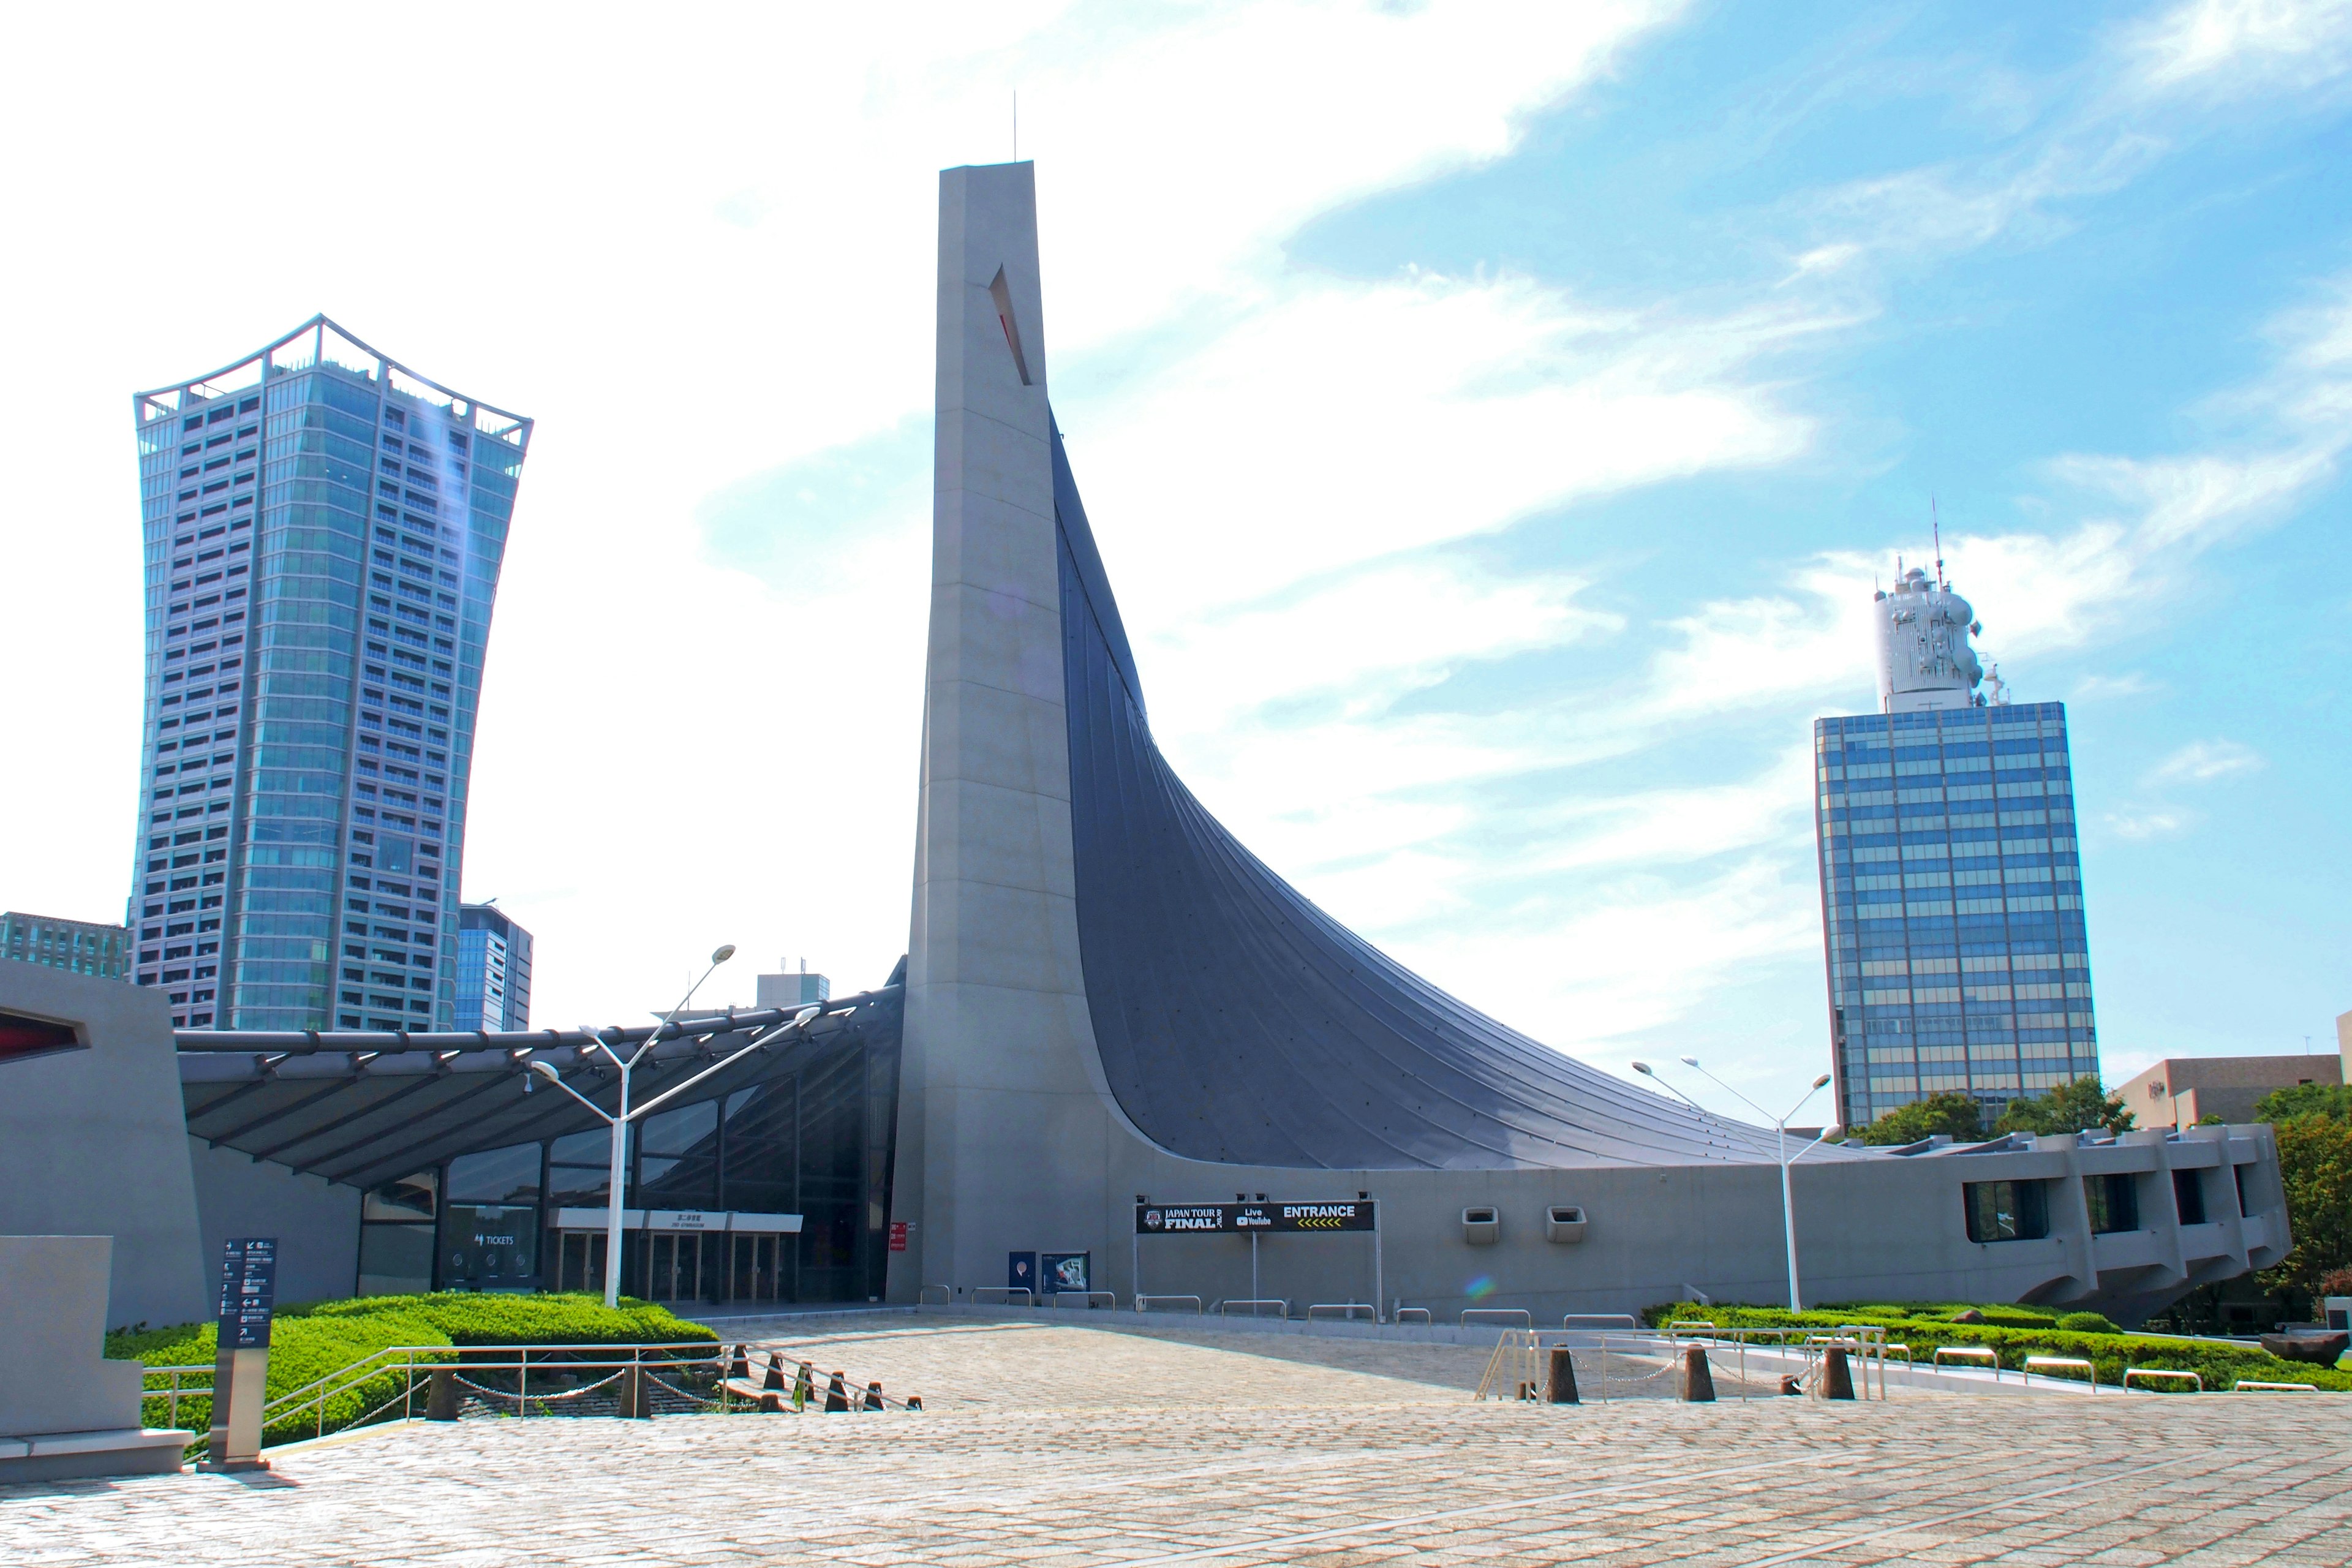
x=82 y=947
x=1951 y=893
x=791 y=990
x=323 y=533
x=493 y=970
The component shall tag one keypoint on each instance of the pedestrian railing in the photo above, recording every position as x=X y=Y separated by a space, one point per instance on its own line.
x=2252 y=1385
x=1599 y=1321
x=177 y=1389
x=1413 y=1314
x=946 y=1294
x=1967 y=1352
x=1347 y=1310
x=1084 y=1298
x=2042 y=1364
x=1003 y=1296
x=1153 y=1303
x=1281 y=1307
x=1517 y=1317
x=2162 y=1372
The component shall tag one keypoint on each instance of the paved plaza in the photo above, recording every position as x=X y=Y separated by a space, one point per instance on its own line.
x=1062 y=1445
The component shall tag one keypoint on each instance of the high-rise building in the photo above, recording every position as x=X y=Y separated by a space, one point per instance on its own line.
x=1951 y=888
x=82 y=947
x=493 y=970
x=789 y=990
x=323 y=533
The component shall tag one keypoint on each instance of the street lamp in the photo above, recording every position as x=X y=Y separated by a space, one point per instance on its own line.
x=1781 y=1127
x=619 y=1124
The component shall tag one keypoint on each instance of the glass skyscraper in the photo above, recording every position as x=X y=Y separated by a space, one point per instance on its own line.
x=323 y=533
x=493 y=970
x=1951 y=886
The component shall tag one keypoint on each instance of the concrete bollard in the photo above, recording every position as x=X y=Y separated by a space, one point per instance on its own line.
x=874 y=1396
x=740 y=1367
x=1695 y=1385
x=441 y=1399
x=775 y=1378
x=1837 y=1377
x=635 y=1402
x=1563 y=1377
x=914 y=1402
x=836 y=1395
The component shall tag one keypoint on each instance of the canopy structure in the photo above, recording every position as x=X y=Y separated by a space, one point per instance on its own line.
x=367 y=1107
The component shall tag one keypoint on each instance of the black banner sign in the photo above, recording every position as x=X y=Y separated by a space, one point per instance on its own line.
x=1183 y=1219
x=248 y=1291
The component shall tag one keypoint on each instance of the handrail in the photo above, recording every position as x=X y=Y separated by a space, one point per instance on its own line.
x=1526 y=1319
x=2133 y=1371
x=1028 y=1297
x=2089 y=1369
x=1599 y=1321
x=175 y=1393
x=1108 y=1297
x=946 y=1294
x=1282 y=1307
x=1143 y=1303
x=1348 y=1309
x=2250 y=1385
x=1419 y=1314
x=1967 y=1352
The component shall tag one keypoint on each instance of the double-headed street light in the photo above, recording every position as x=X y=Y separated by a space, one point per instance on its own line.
x=1780 y=1126
x=619 y=1123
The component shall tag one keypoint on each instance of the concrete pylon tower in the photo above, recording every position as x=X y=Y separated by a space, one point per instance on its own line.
x=997 y=1097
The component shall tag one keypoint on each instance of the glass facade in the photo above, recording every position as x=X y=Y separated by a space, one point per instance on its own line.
x=493 y=970
x=324 y=534
x=814 y=1140
x=79 y=947
x=1952 y=903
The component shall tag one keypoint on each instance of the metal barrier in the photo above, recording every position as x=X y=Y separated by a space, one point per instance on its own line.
x=2089 y=1371
x=1524 y=1318
x=1967 y=1352
x=1675 y=1329
x=1143 y=1303
x=1004 y=1294
x=2133 y=1371
x=1514 y=1362
x=1281 y=1309
x=1345 y=1308
x=176 y=1391
x=2248 y=1385
x=946 y=1294
x=1087 y=1297
x=1418 y=1314
x=1599 y=1321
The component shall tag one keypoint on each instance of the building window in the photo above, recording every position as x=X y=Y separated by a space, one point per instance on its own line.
x=2114 y=1201
x=2189 y=1196
x=2006 y=1211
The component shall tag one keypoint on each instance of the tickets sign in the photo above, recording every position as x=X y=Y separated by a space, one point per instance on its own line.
x=1183 y=1219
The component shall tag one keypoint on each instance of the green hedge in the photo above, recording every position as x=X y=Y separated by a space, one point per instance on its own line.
x=2023 y=1334
x=307 y=1342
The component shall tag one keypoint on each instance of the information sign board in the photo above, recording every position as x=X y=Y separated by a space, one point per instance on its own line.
x=248 y=1291
x=1182 y=1219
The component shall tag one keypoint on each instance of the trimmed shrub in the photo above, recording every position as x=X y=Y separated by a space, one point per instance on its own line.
x=2087 y=1323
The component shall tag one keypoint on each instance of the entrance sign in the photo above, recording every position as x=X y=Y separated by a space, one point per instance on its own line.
x=1254 y=1220
x=248 y=1291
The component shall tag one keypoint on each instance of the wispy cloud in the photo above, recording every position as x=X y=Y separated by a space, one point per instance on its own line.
x=2230 y=48
x=2201 y=760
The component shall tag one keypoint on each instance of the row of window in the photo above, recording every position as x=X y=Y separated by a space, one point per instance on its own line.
x=2020 y=1211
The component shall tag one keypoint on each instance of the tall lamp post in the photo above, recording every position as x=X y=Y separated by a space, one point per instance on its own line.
x=619 y=1123
x=1780 y=1128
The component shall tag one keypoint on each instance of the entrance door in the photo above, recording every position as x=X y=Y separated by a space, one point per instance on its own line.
x=759 y=1268
x=674 y=1266
x=579 y=1261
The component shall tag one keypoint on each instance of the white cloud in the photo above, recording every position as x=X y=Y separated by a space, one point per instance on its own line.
x=2201 y=760
x=2142 y=824
x=2229 y=48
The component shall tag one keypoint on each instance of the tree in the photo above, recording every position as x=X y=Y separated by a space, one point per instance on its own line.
x=2074 y=1107
x=2306 y=1100
x=2315 y=1162
x=1951 y=1112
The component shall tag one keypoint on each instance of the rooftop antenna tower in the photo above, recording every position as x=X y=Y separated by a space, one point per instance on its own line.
x=1936 y=518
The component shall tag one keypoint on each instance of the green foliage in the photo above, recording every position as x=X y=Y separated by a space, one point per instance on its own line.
x=2220 y=1365
x=2074 y=1107
x=1952 y=1112
x=2330 y=1100
x=2088 y=1323
x=2316 y=1163
x=318 y=1341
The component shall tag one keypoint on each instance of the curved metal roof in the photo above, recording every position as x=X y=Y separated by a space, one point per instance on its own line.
x=371 y=1108
x=1238 y=1022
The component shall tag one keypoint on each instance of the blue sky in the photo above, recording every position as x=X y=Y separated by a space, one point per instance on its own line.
x=1494 y=419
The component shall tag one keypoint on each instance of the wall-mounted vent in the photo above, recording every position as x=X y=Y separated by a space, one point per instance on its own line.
x=1481 y=1226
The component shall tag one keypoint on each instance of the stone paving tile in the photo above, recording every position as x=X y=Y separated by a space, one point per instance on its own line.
x=1085 y=1449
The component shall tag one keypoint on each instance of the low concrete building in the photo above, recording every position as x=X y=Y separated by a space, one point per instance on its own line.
x=2181 y=1091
